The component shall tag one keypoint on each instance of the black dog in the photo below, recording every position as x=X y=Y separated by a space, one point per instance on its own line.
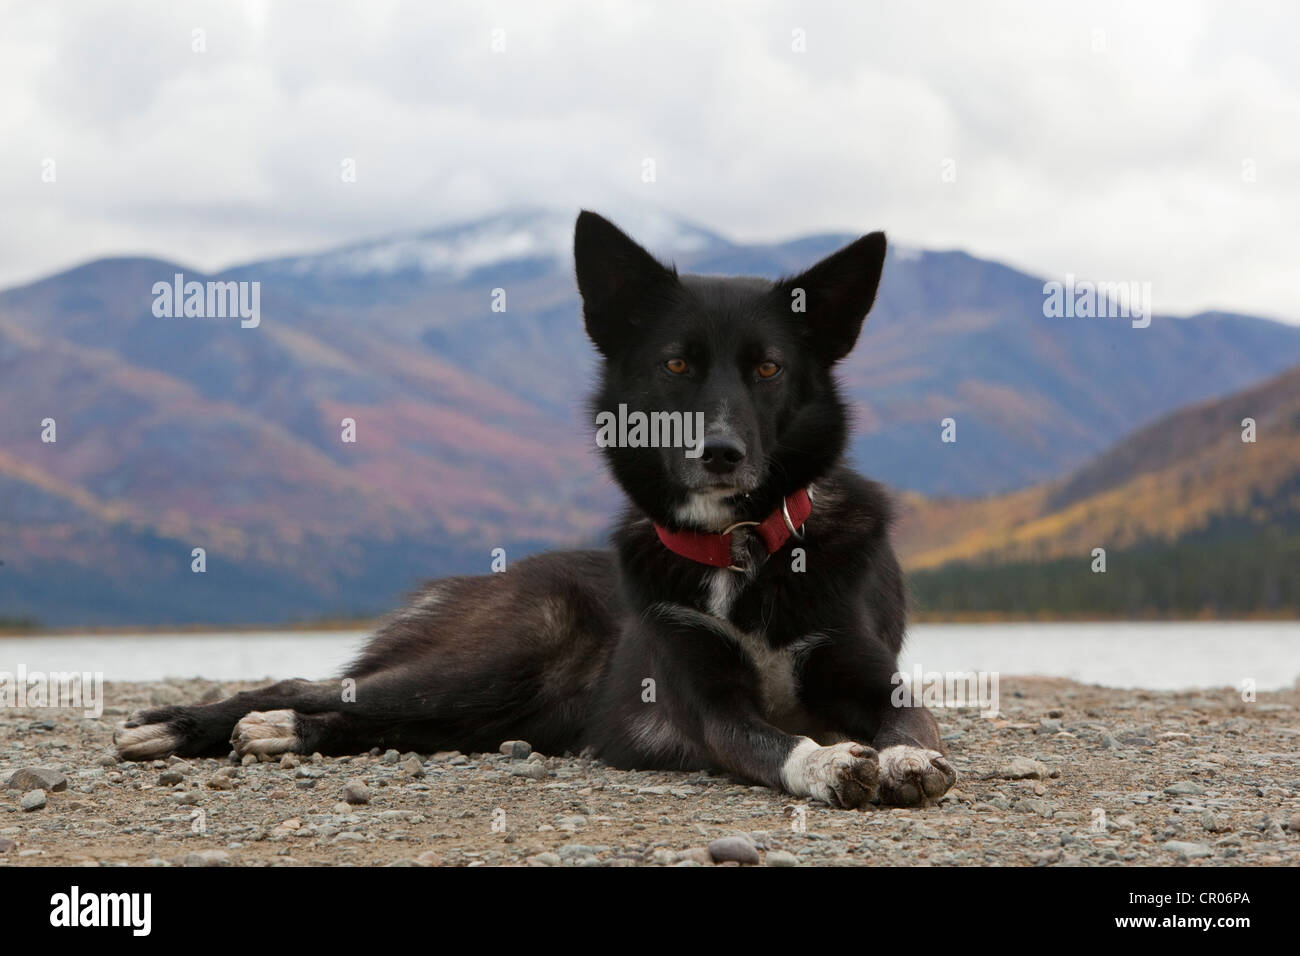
x=751 y=618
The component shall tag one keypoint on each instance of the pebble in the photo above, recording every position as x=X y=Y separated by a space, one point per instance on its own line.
x=169 y=778
x=535 y=771
x=413 y=767
x=781 y=858
x=33 y=800
x=38 y=778
x=390 y=757
x=1188 y=851
x=516 y=749
x=1293 y=824
x=207 y=858
x=1213 y=822
x=1185 y=788
x=1022 y=768
x=734 y=848
x=356 y=792
x=697 y=853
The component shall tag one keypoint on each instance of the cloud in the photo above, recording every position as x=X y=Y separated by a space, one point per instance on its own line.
x=1107 y=141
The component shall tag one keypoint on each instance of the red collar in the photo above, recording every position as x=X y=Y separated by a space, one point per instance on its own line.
x=715 y=549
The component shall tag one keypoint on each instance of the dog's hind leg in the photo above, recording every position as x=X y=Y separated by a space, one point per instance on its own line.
x=204 y=730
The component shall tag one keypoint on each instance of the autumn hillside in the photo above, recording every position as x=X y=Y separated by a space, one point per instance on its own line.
x=1194 y=521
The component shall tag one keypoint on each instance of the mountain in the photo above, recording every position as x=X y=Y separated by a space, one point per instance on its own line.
x=176 y=433
x=1194 y=520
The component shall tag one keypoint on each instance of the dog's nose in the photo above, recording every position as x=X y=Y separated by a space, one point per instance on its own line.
x=721 y=455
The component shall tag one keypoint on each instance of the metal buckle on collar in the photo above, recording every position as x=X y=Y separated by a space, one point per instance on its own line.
x=796 y=533
x=731 y=528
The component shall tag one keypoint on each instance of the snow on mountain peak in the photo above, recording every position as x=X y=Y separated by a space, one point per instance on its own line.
x=512 y=236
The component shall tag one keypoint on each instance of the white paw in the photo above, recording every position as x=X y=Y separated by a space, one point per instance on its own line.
x=843 y=775
x=145 y=743
x=266 y=732
x=912 y=775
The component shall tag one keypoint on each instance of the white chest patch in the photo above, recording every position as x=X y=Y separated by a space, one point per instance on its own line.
x=722 y=588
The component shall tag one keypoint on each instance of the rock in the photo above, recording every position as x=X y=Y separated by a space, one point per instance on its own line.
x=1108 y=742
x=429 y=858
x=107 y=760
x=38 y=778
x=207 y=858
x=517 y=749
x=1049 y=727
x=221 y=781
x=1022 y=768
x=390 y=757
x=1040 y=807
x=535 y=771
x=781 y=858
x=33 y=800
x=169 y=778
x=1293 y=824
x=1188 y=851
x=248 y=759
x=288 y=761
x=697 y=853
x=413 y=767
x=1212 y=822
x=7 y=845
x=735 y=849
x=545 y=859
x=356 y=792
x=1185 y=788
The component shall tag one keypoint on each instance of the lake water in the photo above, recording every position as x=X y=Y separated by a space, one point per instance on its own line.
x=1158 y=656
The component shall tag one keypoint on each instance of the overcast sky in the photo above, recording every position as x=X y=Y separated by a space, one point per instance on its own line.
x=1156 y=142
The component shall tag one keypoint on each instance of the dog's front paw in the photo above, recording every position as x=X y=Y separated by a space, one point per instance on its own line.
x=266 y=732
x=844 y=775
x=910 y=776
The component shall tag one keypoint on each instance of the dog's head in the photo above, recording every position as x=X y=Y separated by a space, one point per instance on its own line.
x=749 y=360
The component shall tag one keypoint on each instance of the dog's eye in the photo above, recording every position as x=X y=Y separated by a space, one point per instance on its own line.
x=768 y=369
x=677 y=366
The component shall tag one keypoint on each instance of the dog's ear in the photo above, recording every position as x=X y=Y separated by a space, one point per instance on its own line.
x=614 y=276
x=835 y=296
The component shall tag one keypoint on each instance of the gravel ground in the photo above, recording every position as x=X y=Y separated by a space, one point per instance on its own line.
x=1066 y=775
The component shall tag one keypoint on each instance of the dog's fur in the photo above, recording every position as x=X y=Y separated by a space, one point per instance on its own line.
x=779 y=673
